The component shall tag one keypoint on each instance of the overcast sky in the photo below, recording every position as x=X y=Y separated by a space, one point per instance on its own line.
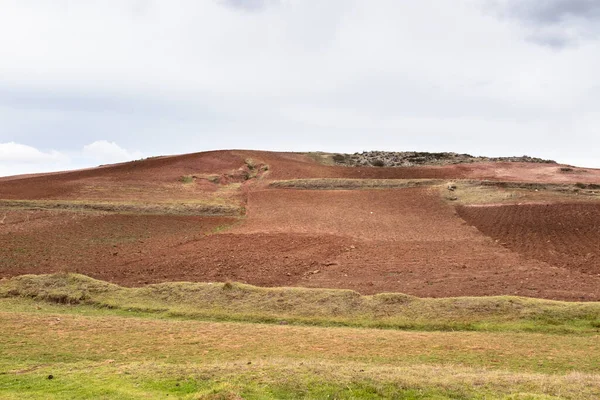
x=88 y=82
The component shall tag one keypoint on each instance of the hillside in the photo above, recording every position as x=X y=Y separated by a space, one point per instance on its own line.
x=233 y=275
x=290 y=219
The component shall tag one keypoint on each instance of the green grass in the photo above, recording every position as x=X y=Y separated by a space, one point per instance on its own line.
x=115 y=357
x=187 y=179
x=286 y=379
x=232 y=341
x=319 y=307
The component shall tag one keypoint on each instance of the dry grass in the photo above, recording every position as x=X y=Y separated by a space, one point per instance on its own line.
x=159 y=192
x=324 y=307
x=342 y=183
x=465 y=191
x=99 y=340
x=180 y=208
x=147 y=357
x=321 y=157
x=489 y=192
x=80 y=338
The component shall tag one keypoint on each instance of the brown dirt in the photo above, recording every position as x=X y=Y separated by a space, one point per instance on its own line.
x=412 y=243
x=410 y=214
x=157 y=179
x=402 y=240
x=564 y=235
x=297 y=166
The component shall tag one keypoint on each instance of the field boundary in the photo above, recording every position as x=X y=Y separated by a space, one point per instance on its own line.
x=321 y=307
x=200 y=209
x=353 y=183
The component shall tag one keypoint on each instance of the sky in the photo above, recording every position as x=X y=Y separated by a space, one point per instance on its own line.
x=90 y=82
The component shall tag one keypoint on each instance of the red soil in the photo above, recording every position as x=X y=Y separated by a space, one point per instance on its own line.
x=564 y=235
x=156 y=179
x=413 y=214
x=401 y=240
x=412 y=243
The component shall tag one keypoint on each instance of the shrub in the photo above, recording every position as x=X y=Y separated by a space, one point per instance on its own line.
x=250 y=164
x=339 y=158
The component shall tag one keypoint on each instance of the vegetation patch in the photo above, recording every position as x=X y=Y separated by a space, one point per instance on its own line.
x=345 y=184
x=290 y=379
x=482 y=192
x=187 y=179
x=109 y=356
x=323 y=157
x=182 y=208
x=69 y=336
x=321 y=307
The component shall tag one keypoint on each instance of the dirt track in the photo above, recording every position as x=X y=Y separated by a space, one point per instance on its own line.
x=402 y=240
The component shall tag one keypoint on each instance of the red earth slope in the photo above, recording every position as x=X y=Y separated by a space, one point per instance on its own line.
x=402 y=240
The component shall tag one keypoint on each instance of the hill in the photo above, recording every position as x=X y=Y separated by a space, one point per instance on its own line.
x=518 y=226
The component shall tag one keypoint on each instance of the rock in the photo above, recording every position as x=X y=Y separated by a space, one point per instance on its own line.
x=411 y=158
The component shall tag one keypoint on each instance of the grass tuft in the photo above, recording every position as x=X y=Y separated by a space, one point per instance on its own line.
x=187 y=179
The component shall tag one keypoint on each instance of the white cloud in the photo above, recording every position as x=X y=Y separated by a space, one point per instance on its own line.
x=182 y=76
x=17 y=158
x=108 y=152
x=12 y=152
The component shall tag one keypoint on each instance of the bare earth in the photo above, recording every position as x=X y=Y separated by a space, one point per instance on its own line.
x=408 y=240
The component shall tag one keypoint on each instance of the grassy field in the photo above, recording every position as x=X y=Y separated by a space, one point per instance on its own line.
x=232 y=341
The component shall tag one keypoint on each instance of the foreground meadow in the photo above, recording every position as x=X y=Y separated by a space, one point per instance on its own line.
x=68 y=336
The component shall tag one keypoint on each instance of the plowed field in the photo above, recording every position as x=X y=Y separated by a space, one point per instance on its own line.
x=399 y=214
x=564 y=235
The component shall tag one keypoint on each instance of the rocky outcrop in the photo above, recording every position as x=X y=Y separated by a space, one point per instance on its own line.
x=412 y=158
